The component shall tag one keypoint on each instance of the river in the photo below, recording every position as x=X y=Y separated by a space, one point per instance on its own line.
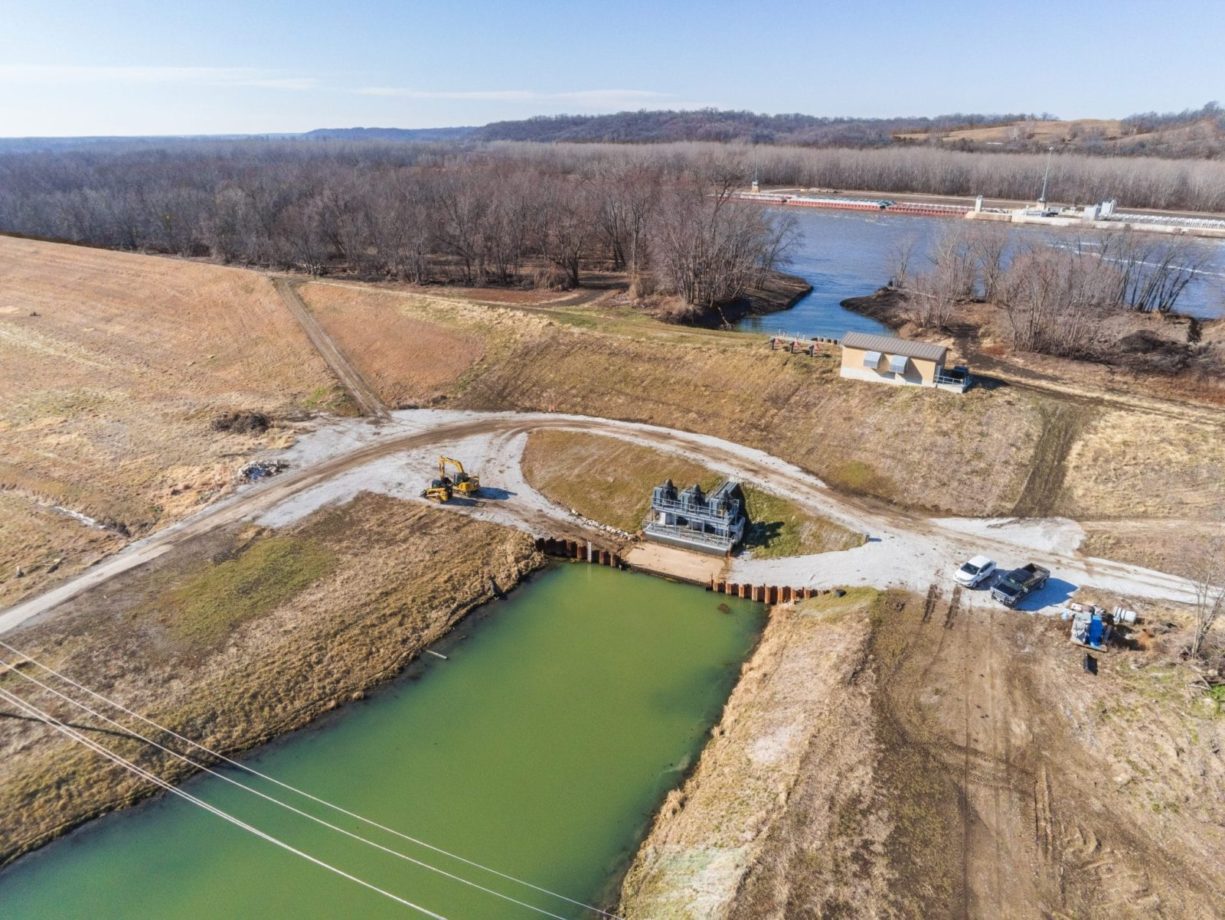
x=851 y=253
x=541 y=748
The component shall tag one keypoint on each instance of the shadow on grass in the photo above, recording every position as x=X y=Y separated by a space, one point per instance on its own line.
x=760 y=534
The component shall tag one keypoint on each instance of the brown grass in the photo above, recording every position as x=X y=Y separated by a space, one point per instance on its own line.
x=917 y=448
x=407 y=360
x=608 y=480
x=1134 y=465
x=223 y=639
x=604 y=479
x=1049 y=131
x=111 y=369
x=44 y=544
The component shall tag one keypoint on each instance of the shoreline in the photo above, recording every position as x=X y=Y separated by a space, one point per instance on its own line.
x=778 y=292
x=707 y=837
x=404 y=640
x=882 y=305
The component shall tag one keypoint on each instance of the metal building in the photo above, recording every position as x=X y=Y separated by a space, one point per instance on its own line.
x=691 y=519
x=888 y=359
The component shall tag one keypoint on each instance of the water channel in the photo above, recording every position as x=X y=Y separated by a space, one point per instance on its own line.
x=541 y=748
x=851 y=253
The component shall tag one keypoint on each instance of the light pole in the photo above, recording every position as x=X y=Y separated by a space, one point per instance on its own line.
x=1050 y=151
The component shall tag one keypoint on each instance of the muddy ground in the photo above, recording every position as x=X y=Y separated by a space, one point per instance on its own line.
x=237 y=637
x=944 y=762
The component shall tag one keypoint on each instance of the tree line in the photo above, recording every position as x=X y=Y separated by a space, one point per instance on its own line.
x=658 y=127
x=1054 y=298
x=417 y=213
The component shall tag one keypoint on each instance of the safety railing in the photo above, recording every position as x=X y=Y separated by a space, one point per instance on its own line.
x=682 y=533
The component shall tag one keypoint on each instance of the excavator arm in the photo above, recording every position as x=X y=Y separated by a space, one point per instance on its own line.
x=461 y=482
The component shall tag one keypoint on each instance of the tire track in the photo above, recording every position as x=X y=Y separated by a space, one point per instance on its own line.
x=780 y=476
x=365 y=397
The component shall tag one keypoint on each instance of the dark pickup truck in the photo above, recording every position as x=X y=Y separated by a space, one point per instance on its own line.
x=1011 y=587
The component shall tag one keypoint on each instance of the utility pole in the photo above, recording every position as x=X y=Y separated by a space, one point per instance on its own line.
x=1050 y=151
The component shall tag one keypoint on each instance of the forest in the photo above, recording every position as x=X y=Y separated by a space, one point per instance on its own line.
x=517 y=213
x=417 y=213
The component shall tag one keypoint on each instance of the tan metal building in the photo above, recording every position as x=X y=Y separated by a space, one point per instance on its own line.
x=888 y=359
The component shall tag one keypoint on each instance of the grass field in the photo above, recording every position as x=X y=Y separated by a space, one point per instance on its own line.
x=610 y=481
x=1037 y=131
x=112 y=367
x=407 y=359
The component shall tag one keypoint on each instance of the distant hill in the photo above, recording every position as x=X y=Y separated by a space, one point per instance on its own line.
x=726 y=126
x=1193 y=133
x=391 y=134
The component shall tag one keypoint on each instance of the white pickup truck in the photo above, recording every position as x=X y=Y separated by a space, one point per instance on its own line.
x=975 y=572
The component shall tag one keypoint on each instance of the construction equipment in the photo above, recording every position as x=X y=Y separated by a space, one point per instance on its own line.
x=461 y=482
x=1090 y=629
x=439 y=490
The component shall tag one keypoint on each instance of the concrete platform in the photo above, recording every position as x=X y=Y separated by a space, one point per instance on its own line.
x=681 y=564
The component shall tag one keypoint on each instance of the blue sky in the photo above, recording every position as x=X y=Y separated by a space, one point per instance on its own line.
x=188 y=67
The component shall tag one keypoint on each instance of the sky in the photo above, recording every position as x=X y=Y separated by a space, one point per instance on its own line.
x=141 y=67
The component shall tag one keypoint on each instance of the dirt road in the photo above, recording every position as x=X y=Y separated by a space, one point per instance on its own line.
x=903 y=549
x=362 y=394
x=979 y=774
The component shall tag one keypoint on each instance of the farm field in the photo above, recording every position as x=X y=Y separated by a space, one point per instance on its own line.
x=113 y=368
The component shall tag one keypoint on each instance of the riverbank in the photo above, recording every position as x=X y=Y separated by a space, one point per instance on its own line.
x=712 y=833
x=776 y=292
x=559 y=720
x=1172 y=355
x=885 y=305
x=886 y=754
x=239 y=637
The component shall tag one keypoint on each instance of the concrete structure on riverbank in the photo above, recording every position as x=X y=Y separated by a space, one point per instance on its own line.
x=888 y=359
x=691 y=519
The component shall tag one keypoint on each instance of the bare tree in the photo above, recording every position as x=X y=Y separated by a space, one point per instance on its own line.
x=934 y=295
x=569 y=224
x=711 y=246
x=1207 y=579
x=903 y=264
x=1054 y=299
x=989 y=244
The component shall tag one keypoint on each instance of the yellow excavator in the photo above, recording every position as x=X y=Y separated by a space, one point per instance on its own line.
x=461 y=481
x=439 y=491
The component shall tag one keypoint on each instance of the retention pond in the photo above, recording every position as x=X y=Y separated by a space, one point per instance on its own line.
x=540 y=748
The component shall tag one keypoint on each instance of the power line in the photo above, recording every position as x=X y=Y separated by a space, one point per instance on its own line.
x=140 y=771
x=307 y=795
x=136 y=736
